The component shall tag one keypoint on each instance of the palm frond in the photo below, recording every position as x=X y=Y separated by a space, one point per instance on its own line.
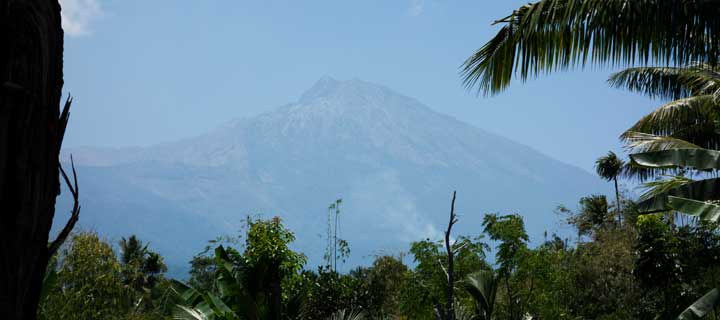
x=669 y=82
x=645 y=142
x=491 y=66
x=609 y=166
x=551 y=35
x=691 y=119
x=656 y=188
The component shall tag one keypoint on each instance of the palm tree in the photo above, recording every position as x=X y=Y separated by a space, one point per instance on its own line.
x=593 y=215
x=609 y=167
x=131 y=249
x=688 y=121
x=690 y=116
x=551 y=35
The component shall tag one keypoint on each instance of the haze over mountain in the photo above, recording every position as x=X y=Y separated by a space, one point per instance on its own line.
x=393 y=161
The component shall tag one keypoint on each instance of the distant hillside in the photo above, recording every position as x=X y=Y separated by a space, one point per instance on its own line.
x=393 y=160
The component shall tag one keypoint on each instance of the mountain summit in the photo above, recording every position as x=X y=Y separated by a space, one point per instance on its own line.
x=393 y=160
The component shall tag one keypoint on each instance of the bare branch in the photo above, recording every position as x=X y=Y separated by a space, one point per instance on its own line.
x=447 y=275
x=64 y=117
x=462 y=246
x=74 y=214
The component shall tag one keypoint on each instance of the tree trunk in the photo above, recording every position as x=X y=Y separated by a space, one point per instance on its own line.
x=450 y=289
x=617 y=199
x=275 y=292
x=31 y=130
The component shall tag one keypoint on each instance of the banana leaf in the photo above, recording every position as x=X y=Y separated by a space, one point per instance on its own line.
x=700 y=159
x=187 y=313
x=220 y=309
x=482 y=286
x=702 y=190
x=702 y=307
x=703 y=210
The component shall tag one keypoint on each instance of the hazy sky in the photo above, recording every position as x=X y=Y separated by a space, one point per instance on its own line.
x=144 y=72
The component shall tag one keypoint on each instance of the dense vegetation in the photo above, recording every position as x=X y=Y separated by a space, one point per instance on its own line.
x=622 y=266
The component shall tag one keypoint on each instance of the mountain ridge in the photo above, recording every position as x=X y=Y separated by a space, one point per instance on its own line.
x=84 y=155
x=391 y=158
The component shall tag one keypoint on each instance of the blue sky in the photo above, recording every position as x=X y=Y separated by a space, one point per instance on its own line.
x=144 y=72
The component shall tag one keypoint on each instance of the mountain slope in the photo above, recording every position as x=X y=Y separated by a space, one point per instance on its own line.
x=393 y=160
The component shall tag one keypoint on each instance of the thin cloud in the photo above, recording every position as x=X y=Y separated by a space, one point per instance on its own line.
x=416 y=7
x=78 y=14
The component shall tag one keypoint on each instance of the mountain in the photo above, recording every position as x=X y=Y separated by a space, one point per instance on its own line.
x=393 y=161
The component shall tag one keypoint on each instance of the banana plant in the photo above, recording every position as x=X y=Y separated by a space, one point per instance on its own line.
x=696 y=198
x=482 y=286
x=237 y=298
x=345 y=314
x=702 y=307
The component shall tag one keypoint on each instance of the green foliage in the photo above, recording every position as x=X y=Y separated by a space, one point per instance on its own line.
x=386 y=278
x=550 y=35
x=648 y=269
x=89 y=282
x=482 y=286
x=141 y=271
x=267 y=243
x=702 y=307
x=669 y=82
x=346 y=314
x=336 y=247
x=329 y=292
x=600 y=280
x=202 y=273
x=609 y=166
x=594 y=215
x=428 y=280
x=246 y=285
x=696 y=158
x=509 y=230
x=675 y=264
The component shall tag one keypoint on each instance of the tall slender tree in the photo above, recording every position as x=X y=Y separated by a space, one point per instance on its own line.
x=609 y=167
x=333 y=240
x=31 y=133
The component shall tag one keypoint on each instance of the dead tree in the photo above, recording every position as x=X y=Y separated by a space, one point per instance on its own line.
x=31 y=133
x=448 y=312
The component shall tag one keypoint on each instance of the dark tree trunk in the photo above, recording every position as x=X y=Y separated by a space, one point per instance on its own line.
x=449 y=295
x=31 y=130
x=448 y=312
x=617 y=200
x=275 y=292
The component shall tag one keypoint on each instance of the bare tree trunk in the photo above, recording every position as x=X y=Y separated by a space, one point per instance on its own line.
x=617 y=199
x=449 y=293
x=31 y=131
